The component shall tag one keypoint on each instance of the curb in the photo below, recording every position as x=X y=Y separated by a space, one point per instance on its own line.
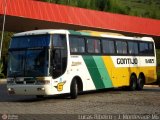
x=3 y=81
x=155 y=86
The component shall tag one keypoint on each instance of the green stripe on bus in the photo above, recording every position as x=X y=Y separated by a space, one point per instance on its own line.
x=94 y=72
x=103 y=71
x=79 y=33
x=85 y=33
x=74 y=32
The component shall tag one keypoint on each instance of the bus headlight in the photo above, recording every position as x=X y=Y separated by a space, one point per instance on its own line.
x=11 y=91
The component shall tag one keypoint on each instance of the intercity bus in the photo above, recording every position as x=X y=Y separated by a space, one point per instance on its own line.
x=50 y=62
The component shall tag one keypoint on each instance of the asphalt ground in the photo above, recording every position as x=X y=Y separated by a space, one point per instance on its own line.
x=90 y=105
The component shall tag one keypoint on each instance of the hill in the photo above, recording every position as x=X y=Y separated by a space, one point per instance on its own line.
x=142 y=8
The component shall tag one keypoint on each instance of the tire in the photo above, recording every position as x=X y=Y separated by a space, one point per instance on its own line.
x=133 y=83
x=74 y=89
x=140 y=82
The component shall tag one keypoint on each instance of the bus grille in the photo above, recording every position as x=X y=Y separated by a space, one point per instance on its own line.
x=26 y=81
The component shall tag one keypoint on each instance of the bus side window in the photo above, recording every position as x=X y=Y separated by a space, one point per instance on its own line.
x=143 y=48
x=108 y=46
x=151 y=49
x=121 y=47
x=93 y=45
x=77 y=44
x=133 y=48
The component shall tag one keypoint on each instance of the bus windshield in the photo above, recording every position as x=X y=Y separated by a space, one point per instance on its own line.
x=29 y=60
x=16 y=63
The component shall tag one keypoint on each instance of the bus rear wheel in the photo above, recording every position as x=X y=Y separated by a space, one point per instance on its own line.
x=74 y=89
x=133 y=83
x=140 y=82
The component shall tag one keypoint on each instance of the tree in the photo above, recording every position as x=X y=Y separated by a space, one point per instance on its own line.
x=3 y=61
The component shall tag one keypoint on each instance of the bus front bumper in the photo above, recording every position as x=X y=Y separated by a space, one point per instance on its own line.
x=32 y=89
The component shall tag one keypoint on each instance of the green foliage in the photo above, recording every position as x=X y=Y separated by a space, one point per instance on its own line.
x=1 y=70
x=6 y=41
x=158 y=63
x=158 y=57
x=142 y=8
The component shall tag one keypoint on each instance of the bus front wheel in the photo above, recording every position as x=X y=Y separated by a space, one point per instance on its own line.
x=133 y=83
x=74 y=89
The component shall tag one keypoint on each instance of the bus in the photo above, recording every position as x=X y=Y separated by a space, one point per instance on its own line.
x=51 y=62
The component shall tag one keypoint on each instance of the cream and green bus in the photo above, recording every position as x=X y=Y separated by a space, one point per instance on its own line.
x=51 y=62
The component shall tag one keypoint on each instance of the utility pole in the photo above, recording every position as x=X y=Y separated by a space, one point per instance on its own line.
x=4 y=21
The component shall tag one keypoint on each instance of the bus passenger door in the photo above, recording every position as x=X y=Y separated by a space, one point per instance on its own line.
x=58 y=59
x=59 y=62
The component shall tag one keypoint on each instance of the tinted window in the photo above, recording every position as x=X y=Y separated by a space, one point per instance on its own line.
x=108 y=46
x=143 y=48
x=133 y=47
x=151 y=48
x=58 y=59
x=93 y=46
x=121 y=47
x=30 y=41
x=77 y=44
x=59 y=41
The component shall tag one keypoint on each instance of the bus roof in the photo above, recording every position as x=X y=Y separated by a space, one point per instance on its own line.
x=83 y=33
x=40 y=32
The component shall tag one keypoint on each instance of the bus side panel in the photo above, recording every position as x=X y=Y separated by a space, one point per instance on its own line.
x=118 y=75
x=94 y=72
x=103 y=71
x=150 y=74
x=78 y=68
x=148 y=67
x=98 y=71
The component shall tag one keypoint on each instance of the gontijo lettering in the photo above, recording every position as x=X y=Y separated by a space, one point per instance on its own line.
x=127 y=61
